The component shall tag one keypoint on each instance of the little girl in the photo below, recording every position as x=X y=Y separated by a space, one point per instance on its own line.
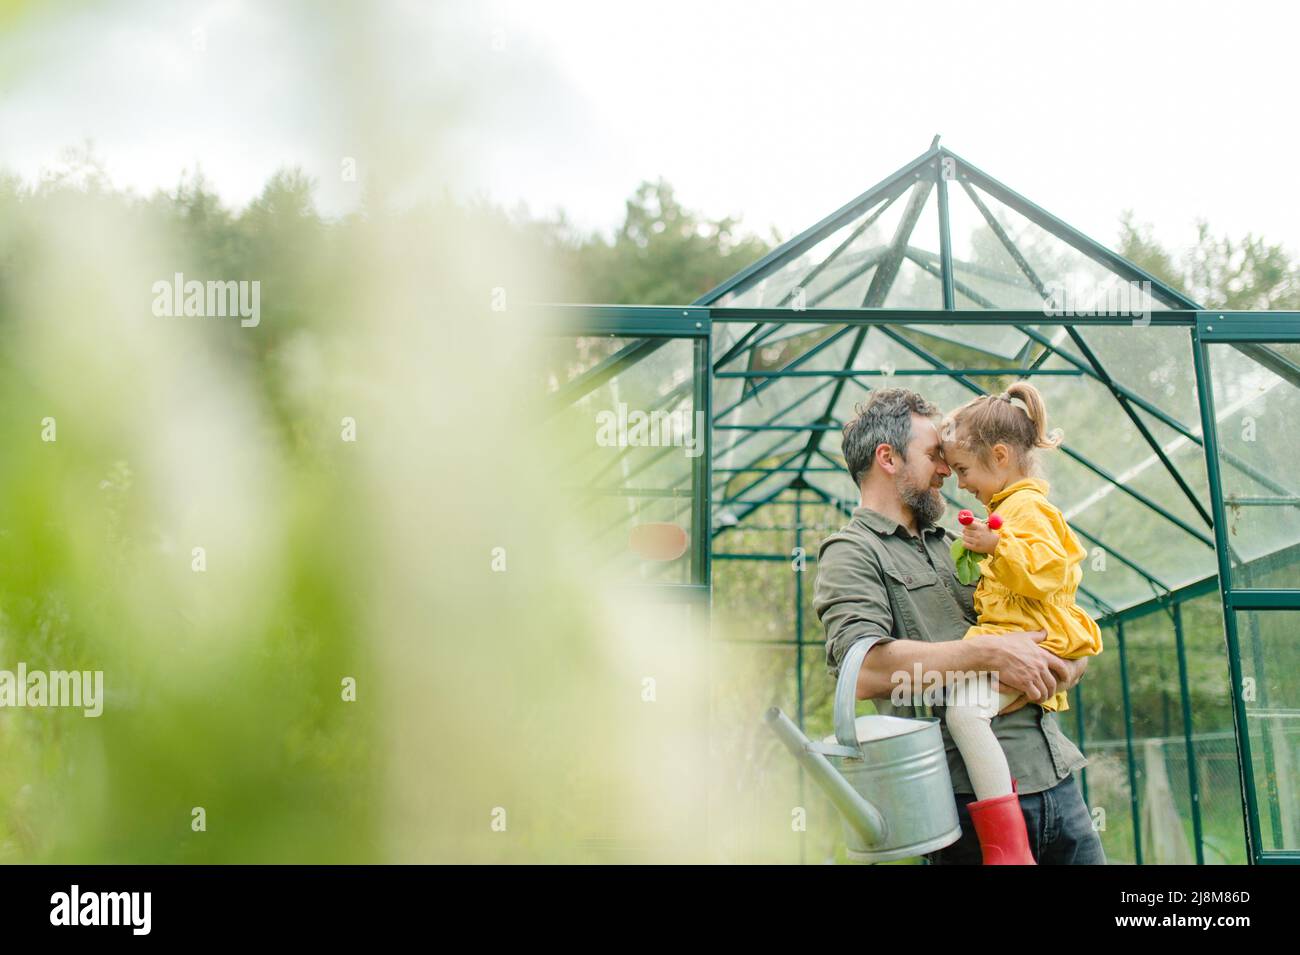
x=1028 y=582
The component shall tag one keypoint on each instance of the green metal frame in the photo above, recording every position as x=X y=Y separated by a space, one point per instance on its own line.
x=1239 y=328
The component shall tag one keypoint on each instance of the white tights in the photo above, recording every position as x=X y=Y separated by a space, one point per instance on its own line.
x=969 y=718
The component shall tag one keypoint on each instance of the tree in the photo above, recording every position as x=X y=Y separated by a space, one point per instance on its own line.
x=1218 y=271
x=663 y=253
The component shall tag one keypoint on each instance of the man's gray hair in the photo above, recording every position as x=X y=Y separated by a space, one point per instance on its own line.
x=884 y=418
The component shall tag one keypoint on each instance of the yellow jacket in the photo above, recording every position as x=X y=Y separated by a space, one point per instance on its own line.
x=1030 y=580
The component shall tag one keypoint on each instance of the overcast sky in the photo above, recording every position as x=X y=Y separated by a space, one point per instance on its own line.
x=774 y=112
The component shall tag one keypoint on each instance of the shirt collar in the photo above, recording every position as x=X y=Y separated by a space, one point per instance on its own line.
x=885 y=526
x=1037 y=484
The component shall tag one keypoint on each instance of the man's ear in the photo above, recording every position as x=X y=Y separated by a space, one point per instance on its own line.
x=886 y=458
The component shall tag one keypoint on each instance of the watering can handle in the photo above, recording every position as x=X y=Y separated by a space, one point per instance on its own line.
x=846 y=694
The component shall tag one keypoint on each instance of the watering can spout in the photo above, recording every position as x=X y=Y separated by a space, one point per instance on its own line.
x=865 y=819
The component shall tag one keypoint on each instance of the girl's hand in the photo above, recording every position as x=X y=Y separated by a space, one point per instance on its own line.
x=979 y=538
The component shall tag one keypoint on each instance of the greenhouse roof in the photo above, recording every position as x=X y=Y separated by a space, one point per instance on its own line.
x=977 y=286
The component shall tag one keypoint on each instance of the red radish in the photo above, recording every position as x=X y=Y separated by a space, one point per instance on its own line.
x=995 y=521
x=964 y=517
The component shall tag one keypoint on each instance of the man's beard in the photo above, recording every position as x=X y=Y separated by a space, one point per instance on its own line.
x=926 y=503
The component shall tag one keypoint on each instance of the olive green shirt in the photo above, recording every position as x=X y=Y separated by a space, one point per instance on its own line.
x=877 y=581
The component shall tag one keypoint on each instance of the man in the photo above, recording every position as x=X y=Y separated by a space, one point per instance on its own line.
x=888 y=578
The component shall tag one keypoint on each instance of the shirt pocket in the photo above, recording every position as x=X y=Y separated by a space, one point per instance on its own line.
x=917 y=597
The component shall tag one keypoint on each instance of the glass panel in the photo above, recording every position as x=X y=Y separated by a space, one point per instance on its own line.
x=657 y=384
x=1107 y=772
x=885 y=364
x=778 y=345
x=916 y=282
x=777 y=400
x=1187 y=455
x=757 y=449
x=984 y=273
x=1001 y=341
x=845 y=285
x=1060 y=340
x=1079 y=284
x=1152 y=361
x=828 y=267
x=1214 y=741
x=726 y=334
x=1106 y=576
x=751 y=489
x=775 y=333
x=726 y=392
x=1096 y=426
x=1126 y=528
x=1270 y=660
x=843 y=280
x=1161 y=767
x=840 y=271
x=1256 y=411
x=565 y=358
x=625 y=451
x=838 y=486
x=1159 y=744
x=914 y=287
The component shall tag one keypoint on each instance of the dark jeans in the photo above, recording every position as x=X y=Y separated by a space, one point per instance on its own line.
x=1059 y=826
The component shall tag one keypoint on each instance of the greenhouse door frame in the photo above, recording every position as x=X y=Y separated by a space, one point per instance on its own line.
x=1239 y=328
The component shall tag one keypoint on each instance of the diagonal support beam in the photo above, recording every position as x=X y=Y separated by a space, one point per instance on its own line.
x=1105 y=379
x=594 y=377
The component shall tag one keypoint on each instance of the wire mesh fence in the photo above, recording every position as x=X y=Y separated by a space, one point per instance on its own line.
x=1167 y=830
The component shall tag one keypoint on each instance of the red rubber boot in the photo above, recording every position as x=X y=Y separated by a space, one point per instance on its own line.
x=1000 y=825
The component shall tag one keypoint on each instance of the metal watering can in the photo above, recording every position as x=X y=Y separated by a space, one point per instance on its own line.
x=898 y=763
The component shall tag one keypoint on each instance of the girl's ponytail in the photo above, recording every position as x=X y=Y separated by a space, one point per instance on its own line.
x=989 y=420
x=1037 y=411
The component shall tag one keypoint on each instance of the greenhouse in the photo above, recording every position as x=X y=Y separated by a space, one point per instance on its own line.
x=1178 y=472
